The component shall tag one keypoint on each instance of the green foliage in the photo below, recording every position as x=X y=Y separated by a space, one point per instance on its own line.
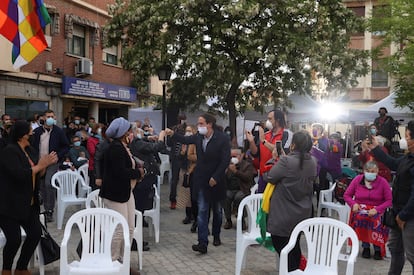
x=395 y=21
x=244 y=52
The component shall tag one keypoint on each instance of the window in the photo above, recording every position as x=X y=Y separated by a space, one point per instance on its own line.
x=24 y=109
x=379 y=12
x=76 y=44
x=110 y=55
x=379 y=78
x=359 y=12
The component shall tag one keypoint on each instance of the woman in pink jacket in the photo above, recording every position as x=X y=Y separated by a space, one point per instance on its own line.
x=369 y=195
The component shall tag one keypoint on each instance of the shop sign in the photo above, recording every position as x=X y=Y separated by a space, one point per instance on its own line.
x=82 y=87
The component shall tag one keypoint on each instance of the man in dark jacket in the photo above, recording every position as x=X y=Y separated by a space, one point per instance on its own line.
x=213 y=157
x=385 y=124
x=401 y=239
x=47 y=139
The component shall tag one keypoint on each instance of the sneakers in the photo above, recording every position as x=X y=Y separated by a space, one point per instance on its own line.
x=216 y=241
x=366 y=253
x=377 y=255
x=173 y=205
x=228 y=224
x=200 y=248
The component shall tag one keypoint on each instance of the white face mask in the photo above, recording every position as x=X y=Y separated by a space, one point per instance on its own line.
x=234 y=160
x=403 y=144
x=269 y=125
x=188 y=134
x=202 y=130
x=139 y=136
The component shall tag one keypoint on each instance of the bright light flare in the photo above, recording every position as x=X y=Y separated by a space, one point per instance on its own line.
x=330 y=111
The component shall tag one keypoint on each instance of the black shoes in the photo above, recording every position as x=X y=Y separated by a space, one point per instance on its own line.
x=194 y=227
x=216 y=241
x=228 y=224
x=187 y=220
x=145 y=246
x=200 y=248
x=49 y=216
x=377 y=255
x=366 y=253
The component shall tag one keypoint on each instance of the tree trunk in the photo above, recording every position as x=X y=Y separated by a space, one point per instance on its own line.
x=231 y=105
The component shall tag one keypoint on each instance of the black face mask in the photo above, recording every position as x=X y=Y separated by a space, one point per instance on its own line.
x=41 y=121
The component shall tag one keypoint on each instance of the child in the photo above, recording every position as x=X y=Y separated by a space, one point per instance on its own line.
x=67 y=164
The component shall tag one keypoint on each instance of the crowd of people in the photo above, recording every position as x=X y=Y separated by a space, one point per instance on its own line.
x=213 y=176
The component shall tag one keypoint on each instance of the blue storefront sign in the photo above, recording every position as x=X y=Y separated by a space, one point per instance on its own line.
x=83 y=87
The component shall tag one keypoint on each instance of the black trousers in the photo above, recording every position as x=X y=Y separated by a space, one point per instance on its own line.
x=11 y=230
x=294 y=255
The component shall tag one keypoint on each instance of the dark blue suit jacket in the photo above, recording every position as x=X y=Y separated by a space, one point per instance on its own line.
x=58 y=141
x=211 y=163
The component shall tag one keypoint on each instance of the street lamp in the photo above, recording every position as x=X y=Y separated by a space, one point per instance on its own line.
x=164 y=74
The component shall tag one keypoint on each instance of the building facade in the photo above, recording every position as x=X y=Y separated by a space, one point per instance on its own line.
x=75 y=75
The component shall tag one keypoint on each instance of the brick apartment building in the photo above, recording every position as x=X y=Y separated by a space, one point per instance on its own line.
x=75 y=75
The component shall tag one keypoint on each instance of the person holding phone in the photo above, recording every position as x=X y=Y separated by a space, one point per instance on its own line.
x=275 y=123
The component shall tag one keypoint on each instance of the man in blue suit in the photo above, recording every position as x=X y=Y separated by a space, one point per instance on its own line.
x=213 y=157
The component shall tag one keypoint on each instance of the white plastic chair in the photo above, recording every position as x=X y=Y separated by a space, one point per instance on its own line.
x=66 y=182
x=165 y=167
x=248 y=237
x=97 y=227
x=326 y=201
x=84 y=172
x=154 y=214
x=94 y=200
x=138 y=236
x=325 y=237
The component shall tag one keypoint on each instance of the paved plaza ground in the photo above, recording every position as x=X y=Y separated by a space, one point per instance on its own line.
x=173 y=254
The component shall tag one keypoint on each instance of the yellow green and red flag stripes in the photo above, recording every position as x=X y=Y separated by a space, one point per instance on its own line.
x=22 y=23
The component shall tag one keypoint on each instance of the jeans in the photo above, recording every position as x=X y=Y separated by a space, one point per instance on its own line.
x=176 y=165
x=401 y=242
x=47 y=191
x=202 y=218
x=232 y=197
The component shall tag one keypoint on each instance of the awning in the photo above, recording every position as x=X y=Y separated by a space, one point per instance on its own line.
x=93 y=99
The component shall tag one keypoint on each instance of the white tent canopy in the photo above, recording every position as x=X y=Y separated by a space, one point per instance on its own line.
x=304 y=109
x=371 y=112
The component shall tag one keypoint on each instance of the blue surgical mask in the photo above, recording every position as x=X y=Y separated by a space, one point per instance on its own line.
x=50 y=121
x=77 y=143
x=77 y=121
x=370 y=176
x=373 y=131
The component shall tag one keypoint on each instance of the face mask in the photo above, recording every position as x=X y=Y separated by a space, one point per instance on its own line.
x=202 y=130
x=373 y=131
x=77 y=121
x=403 y=144
x=77 y=143
x=139 y=136
x=50 y=121
x=228 y=133
x=370 y=176
x=234 y=160
x=269 y=125
x=315 y=132
x=188 y=134
x=146 y=133
x=99 y=131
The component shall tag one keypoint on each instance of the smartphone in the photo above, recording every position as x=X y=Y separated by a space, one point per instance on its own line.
x=369 y=135
x=279 y=147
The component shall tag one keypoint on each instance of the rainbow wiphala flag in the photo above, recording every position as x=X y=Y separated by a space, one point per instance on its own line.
x=22 y=23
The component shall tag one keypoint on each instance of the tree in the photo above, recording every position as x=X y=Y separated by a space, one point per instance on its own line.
x=243 y=52
x=393 y=20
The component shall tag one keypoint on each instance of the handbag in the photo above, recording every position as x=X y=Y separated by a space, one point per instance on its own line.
x=50 y=249
x=186 y=180
x=388 y=218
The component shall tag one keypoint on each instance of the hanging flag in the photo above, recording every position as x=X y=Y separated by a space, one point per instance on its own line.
x=22 y=23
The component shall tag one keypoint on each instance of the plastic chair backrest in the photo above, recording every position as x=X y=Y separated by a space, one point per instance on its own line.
x=83 y=170
x=66 y=182
x=94 y=200
x=252 y=204
x=97 y=227
x=325 y=238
